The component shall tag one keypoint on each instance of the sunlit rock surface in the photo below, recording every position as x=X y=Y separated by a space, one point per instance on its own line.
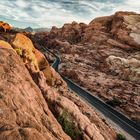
x=24 y=114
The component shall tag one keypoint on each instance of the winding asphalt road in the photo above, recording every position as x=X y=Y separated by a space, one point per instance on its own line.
x=125 y=123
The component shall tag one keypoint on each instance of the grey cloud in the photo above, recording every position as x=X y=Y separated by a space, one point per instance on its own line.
x=57 y=12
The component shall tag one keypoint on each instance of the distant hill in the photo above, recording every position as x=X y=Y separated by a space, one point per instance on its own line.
x=42 y=29
x=30 y=29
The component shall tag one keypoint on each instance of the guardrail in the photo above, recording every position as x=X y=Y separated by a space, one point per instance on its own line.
x=124 y=122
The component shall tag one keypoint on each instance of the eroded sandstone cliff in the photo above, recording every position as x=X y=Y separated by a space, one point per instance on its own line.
x=24 y=114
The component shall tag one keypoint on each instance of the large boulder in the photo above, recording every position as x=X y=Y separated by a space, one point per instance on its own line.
x=128 y=69
x=24 y=47
x=5 y=26
x=71 y=32
x=126 y=28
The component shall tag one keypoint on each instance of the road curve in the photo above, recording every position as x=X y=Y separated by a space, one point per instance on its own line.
x=125 y=123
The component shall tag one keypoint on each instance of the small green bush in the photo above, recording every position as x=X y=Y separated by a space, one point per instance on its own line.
x=19 y=51
x=120 y=137
x=66 y=122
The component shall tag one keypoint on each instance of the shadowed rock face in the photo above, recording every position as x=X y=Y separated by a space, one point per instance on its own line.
x=33 y=101
x=103 y=57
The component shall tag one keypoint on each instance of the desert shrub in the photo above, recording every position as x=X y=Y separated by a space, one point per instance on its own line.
x=19 y=51
x=136 y=120
x=98 y=84
x=120 y=137
x=65 y=119
x=114 y=102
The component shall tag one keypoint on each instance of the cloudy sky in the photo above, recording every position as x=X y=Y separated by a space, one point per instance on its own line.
x=47 y=13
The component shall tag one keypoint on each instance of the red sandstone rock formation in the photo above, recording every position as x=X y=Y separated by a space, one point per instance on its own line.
x=35 y=101
x=24 y=114
x=103 y=57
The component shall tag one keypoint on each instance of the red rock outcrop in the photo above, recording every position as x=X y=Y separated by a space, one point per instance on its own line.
x=5 y=26
x=90 y=60
x=71 y=32
x=122 y=27
x=24 y=48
